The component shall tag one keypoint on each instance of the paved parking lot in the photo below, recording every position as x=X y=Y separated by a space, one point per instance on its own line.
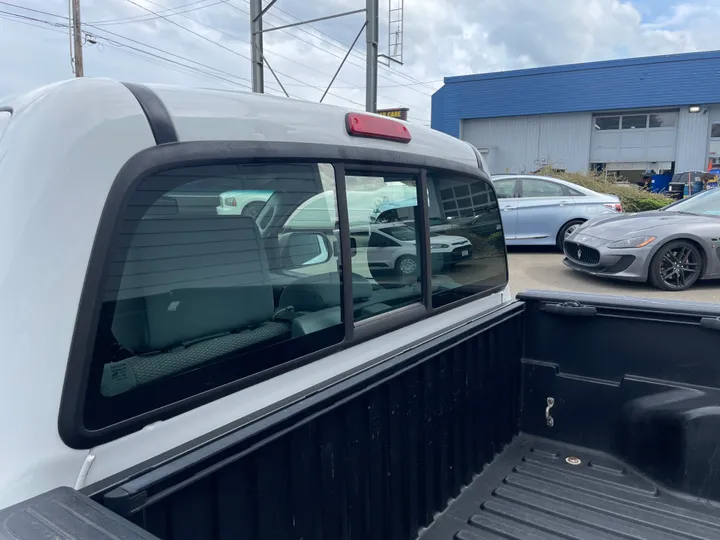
x=532 y=268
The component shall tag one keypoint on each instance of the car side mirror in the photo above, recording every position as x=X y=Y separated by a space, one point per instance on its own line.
x=308 y=249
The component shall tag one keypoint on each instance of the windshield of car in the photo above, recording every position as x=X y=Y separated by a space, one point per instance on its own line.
x=706 y=202
x=404 y=234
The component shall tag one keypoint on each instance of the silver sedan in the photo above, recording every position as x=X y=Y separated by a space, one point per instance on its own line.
x=539 y=210
x=671 y=248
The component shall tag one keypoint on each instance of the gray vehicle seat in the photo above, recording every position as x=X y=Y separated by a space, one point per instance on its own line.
x=314 y=301
x=191 y=290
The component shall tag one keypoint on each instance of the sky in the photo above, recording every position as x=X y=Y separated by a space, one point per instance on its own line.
x=205 y=43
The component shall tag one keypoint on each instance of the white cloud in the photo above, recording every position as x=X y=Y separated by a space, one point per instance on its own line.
x=442 y=37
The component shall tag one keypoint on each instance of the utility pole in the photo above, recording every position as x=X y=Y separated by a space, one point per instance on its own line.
x=77 y=39
x=371 y=54
x=371 y=24
x=256 y=39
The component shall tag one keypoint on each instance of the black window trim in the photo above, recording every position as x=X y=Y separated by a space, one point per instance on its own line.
x=199 y=153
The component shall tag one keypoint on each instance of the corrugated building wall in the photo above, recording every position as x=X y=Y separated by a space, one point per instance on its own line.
x=526 y=143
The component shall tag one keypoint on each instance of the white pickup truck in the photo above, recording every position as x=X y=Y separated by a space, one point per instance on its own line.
x=122 y=299
x=172 y=371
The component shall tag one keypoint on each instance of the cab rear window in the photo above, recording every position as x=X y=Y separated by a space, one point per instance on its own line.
x=223 y=273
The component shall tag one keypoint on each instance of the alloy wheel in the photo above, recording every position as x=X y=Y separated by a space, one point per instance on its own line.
x=680 y=266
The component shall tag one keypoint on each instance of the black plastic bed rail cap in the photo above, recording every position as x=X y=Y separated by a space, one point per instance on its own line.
x=66 y=514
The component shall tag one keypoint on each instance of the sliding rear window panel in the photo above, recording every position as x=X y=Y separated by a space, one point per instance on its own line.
x=82 y=373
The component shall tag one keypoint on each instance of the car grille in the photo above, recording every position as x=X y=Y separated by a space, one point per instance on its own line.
x=587 y=255
x=457 y=253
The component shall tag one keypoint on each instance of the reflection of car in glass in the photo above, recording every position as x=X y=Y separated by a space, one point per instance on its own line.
x=672 y=248
x=242 y=203
x=539 y=210
x=392 y=246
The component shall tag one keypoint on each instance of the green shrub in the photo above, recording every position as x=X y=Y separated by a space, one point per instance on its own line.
x=631 y=196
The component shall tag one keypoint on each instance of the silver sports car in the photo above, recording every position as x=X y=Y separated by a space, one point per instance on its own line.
x=671 y=248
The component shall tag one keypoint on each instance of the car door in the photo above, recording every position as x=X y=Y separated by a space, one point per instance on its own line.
x=544 y=206
x=507 y=194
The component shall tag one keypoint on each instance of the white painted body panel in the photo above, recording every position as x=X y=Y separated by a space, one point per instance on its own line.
x=58 y=158
x=59 y=155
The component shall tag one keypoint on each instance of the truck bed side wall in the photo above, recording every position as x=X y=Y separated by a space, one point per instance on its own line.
x=374 y=457
x=638 y=379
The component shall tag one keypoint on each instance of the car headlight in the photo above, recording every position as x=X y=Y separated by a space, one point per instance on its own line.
x=439 y=246
x=634 y=242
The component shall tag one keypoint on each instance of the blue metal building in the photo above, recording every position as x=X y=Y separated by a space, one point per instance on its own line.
x=657 y=113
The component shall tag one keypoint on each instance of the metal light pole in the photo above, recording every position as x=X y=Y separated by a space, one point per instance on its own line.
x=371 y=53
x=256 y=40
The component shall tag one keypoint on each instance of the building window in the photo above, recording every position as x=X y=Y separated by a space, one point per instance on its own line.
x=662 y=120
x=607 y=122
x=715 y=131
x=635 y=121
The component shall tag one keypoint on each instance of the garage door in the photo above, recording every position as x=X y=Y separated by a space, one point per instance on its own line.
x=639 y=137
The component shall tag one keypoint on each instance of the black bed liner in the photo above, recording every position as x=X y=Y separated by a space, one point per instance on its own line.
x=531 y=492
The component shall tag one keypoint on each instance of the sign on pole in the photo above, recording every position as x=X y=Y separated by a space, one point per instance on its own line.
x=399 y=113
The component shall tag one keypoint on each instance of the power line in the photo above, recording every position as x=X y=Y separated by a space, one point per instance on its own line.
x=120 y=36
x=180 y=64
x=229 y=49
x=55 y=26
x=335 y=43
x=341 y=46
x=37 y=23
x=353 y=87
x=142 y=18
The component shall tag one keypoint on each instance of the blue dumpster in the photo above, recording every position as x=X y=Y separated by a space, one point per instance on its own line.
x=659 y=183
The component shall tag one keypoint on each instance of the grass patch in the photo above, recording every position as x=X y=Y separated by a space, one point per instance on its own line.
x=631 y=196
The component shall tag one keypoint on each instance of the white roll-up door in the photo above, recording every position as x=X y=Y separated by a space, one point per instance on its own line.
x=640 y=137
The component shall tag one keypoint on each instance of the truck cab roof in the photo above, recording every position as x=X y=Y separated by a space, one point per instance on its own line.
x=204 y=114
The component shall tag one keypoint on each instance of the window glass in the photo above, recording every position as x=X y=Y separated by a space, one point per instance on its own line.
x=216 y=273
x=635 y=121
x=469 y=256
x=384 y=227
x=715 y=131
x=662 y=120
x=541 y=188
x=574 y=192
x=607 y=122
x=505 y=188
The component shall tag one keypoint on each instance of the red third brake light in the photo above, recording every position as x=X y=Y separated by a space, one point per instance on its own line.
x=377 y=127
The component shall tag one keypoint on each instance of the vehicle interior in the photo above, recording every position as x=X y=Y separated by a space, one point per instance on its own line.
x=188 y=287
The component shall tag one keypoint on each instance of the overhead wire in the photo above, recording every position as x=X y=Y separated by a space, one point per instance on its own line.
x=141 y=18
x=233 y=51
x=37 y=22
x=335 y=43
x=294 y=36
x=340 y=46
x=166 y=12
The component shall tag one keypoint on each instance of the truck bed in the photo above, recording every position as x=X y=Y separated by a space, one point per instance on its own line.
x=531 y=492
